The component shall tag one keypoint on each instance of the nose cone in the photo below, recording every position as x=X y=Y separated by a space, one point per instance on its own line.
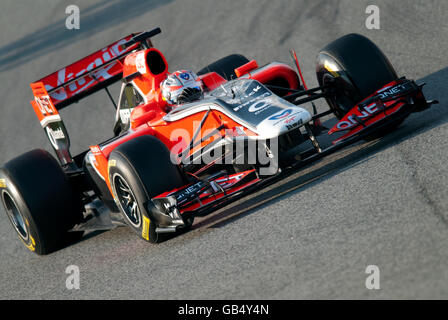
x=282 y=122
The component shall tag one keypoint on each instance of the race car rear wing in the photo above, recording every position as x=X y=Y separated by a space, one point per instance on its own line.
x=93 y=72
x=80 y=79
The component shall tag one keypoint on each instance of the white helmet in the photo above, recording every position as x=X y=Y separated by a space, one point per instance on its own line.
x=181 y=87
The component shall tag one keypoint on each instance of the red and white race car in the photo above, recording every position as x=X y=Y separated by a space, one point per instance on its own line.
x=166 y=165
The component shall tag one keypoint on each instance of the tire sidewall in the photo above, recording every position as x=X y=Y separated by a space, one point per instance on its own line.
x=33 y=243
x=119 y=165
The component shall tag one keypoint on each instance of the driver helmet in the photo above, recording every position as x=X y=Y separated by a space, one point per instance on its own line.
x=181 y=87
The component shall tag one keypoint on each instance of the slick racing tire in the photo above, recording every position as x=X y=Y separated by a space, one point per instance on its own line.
x=226 y=66
x=39 y=201
x=140 y=169
x=356 y=67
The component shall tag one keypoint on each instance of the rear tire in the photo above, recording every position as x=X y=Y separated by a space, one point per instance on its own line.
x=139 y=170
x=39 y=201
x=226 y=66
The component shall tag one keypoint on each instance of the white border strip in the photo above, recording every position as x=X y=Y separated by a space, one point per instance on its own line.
x=50 y=119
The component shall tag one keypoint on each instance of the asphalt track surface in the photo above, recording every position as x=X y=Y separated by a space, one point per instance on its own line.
x=309 y=236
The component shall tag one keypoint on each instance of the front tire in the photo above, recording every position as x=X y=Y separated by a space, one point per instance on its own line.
x=356 y=67
x=139 y=170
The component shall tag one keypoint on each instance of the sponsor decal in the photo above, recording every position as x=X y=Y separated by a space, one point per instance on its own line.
x=145 y=228
x=2 y=183
x=32 y=244
x=286 y=118
x=140 y=63
x=227 y=182
x=282 y=115
x=54 y=135
x=44 y=104
x=290 y=120
x=389 y=91
x=125 y=115
x=251 y=101
x=260 y=106
x=190 y=190
x=254 y=91
x=351 y=122
x=386 y=92
x=185 y=76
x=112 y=163
x=250 y=94
x=294 y=125
x=57 y=134
x=82 y=67
x=384 y=89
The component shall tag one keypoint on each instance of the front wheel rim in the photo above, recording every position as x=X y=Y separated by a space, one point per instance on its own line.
x=127 y=200
x=341 y=99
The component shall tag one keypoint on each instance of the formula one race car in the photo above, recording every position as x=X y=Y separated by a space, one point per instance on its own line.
x=166 y=166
